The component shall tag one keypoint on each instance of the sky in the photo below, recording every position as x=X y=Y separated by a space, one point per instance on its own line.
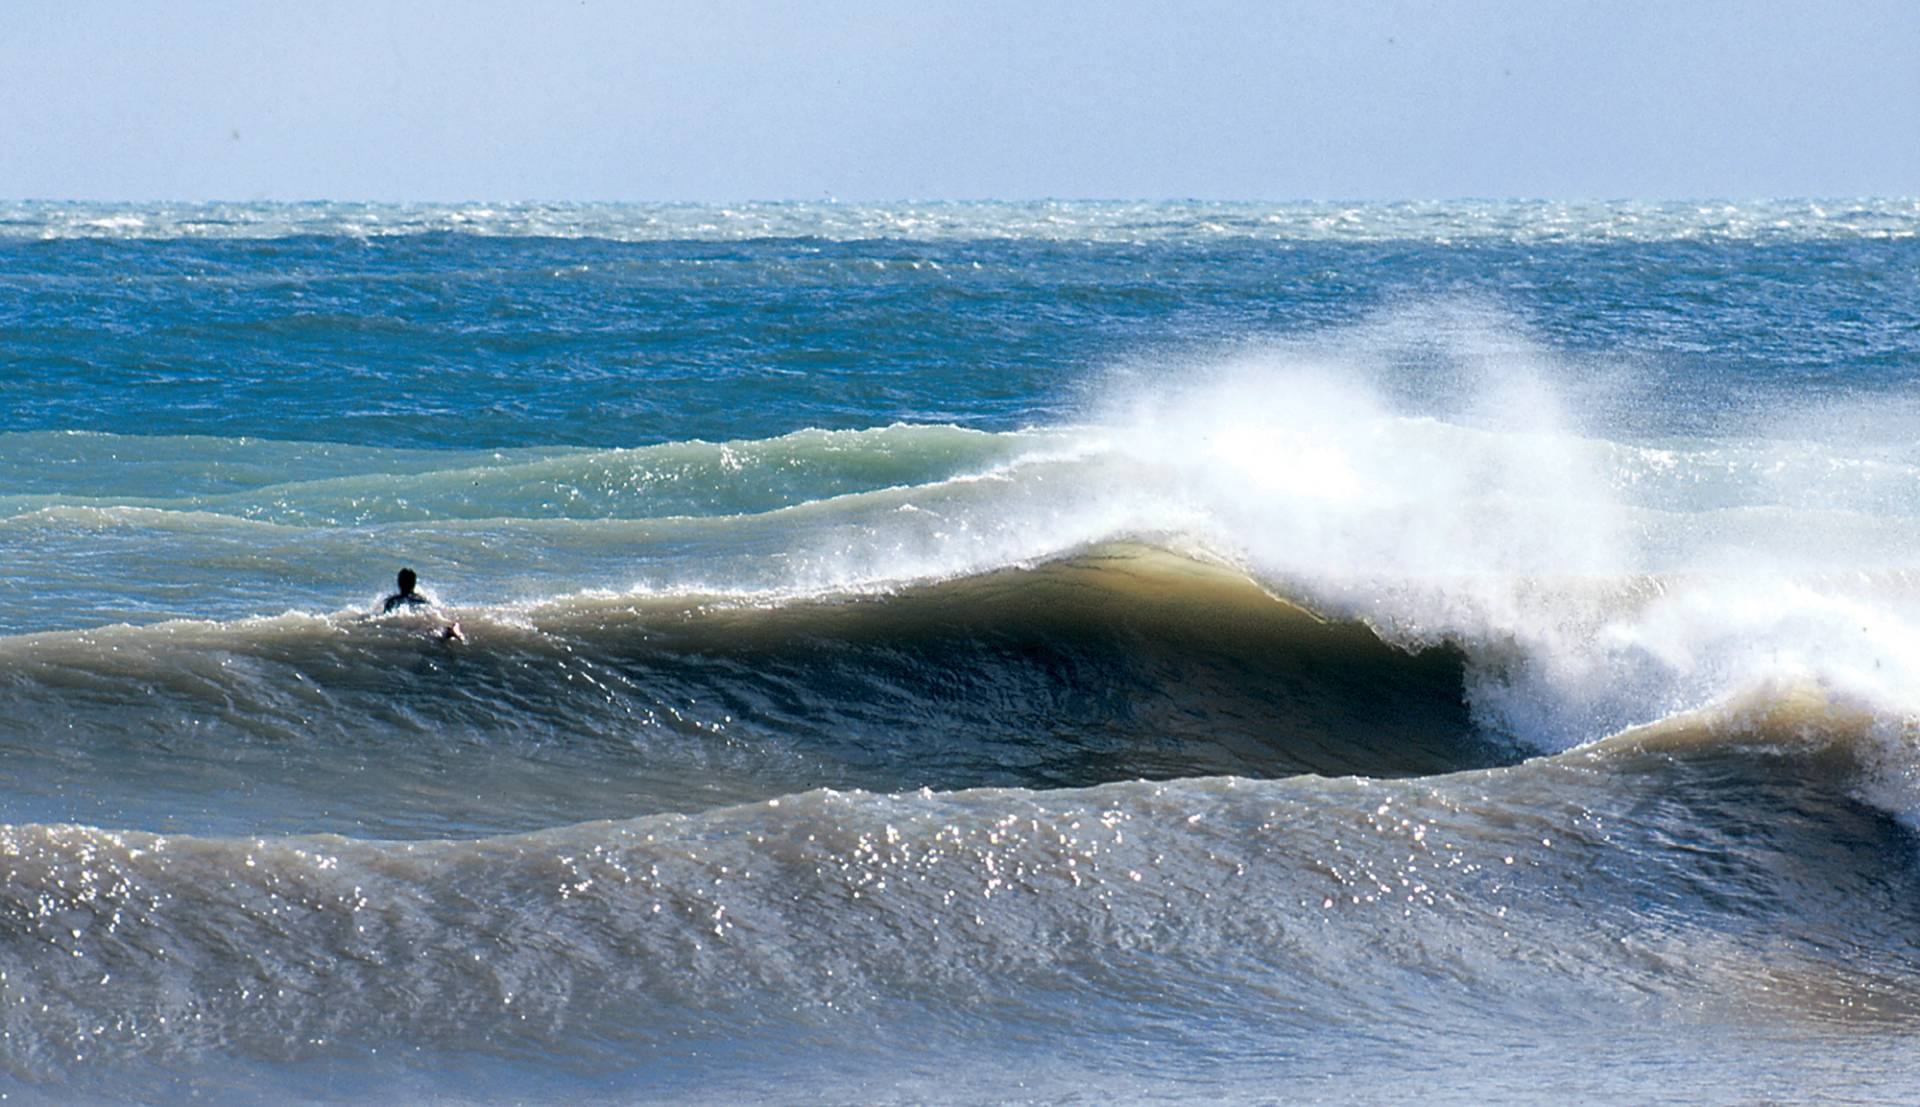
x=729 y=100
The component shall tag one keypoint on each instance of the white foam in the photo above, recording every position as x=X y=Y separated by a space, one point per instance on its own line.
x=1597 y=582
x=1441 y=222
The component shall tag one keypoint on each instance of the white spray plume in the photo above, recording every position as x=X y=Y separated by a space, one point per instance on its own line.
x=1431 y=474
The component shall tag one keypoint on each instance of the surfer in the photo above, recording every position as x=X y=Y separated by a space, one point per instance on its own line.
x=406 y=597
x=411 y=599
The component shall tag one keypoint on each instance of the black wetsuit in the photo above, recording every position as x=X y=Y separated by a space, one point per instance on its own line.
x=404 y=599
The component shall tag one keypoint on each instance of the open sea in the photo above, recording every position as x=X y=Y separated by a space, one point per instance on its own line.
x=1052 y=652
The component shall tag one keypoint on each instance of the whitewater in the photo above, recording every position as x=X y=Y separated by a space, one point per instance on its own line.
x=958 y=652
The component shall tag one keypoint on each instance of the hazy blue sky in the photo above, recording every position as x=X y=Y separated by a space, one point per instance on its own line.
x=734 y=100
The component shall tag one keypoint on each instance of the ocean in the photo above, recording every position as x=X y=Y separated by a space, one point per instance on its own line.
x=972 y=652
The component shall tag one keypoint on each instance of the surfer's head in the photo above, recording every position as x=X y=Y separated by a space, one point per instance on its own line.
x=407 y=580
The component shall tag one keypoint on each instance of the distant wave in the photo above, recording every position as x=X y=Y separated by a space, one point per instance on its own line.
x=328 y=485
x=1063 y=221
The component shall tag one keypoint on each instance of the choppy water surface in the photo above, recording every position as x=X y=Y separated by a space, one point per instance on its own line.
x=1066 y=652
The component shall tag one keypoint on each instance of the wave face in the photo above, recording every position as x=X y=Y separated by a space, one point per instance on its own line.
x=1118 y=664
x=1156 y=651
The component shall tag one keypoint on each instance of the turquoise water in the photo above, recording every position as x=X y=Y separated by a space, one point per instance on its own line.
x=960 y=651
